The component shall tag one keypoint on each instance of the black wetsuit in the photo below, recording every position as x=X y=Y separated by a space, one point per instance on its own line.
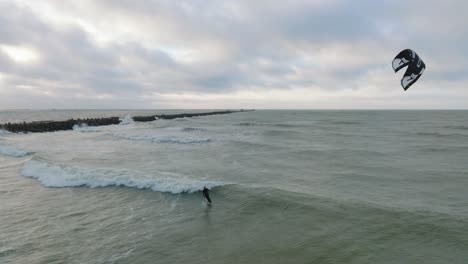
x=206 y=194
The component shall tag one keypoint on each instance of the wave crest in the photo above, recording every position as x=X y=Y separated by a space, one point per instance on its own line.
x=84 y=128
x=13 y=152
x=127 y=120
x=52 y=175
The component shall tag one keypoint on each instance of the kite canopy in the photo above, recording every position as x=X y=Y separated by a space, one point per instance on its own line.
x=415 y=65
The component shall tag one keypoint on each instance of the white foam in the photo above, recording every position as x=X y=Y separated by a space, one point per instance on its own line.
x=127 y=120
x=12 y=151
x=68 y=176
x=85 y=128
x=81 y=125
x=163 y=139
x=4 y=132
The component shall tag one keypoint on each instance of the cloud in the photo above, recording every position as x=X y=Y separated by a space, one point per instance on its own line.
x=157 y=54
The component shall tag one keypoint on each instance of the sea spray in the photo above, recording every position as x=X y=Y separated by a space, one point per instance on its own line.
x=127 y=120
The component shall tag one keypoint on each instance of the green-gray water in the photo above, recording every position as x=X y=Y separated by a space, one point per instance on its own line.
x=287 y=187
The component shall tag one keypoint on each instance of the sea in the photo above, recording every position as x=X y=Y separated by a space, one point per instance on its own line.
x=288 y=186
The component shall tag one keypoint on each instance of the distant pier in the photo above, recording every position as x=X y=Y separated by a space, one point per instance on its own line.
x=50 y=126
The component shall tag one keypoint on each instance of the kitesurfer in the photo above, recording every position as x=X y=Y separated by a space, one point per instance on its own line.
x=206 y=194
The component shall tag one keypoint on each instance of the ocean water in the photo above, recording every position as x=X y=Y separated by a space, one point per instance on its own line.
x=287 y=187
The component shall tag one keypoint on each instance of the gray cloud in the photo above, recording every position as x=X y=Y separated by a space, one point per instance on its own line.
x=134 y=50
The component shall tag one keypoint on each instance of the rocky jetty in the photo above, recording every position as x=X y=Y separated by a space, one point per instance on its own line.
x=155 y=117
x=49 y=126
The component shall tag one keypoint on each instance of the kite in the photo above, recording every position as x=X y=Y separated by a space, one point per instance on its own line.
x=415 y=65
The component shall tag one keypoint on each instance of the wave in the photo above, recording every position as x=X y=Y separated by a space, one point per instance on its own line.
x=457 y=127
x=437 y=134
x=260 y=196
x=4 y=132
x=87 y=129
x=52 y=175
x=183 y=129
x=163 y=139
x=190 y=129
x=337 y=152
x=127 y=120
x=13 y=152
x=248 y=124
x=342 y=122
x=459 y=148
x=273 y=124
x=255 y=147
x=281 y=133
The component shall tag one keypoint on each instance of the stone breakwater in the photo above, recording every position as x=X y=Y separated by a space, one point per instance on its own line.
x=49 y=126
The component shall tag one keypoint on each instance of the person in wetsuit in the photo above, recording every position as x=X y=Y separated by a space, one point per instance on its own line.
x=206 y=194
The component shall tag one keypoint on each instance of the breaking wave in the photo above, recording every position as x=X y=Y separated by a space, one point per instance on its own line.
x=12 y=151
x=4 y=132
x=52 y=175
x=85 y=128
x=127 y=120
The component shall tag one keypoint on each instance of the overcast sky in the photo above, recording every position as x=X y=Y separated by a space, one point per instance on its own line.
x=230 y=54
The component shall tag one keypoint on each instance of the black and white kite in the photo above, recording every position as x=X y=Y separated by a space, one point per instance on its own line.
x=415 y=65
